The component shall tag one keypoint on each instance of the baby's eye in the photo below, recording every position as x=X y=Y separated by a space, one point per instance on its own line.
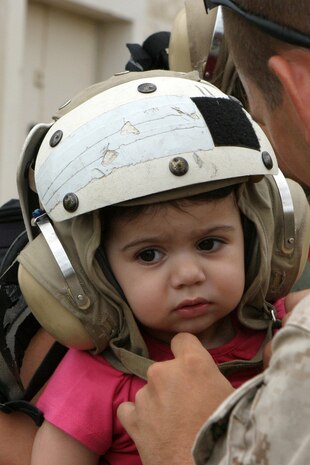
x=150 y=255
x=209 y=244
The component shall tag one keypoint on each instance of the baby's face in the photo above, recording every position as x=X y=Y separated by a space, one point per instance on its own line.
x=181 y=269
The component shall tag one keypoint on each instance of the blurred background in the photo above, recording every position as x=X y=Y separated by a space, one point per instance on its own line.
x=51 y=49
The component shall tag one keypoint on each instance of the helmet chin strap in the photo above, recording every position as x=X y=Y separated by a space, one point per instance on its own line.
x=288 y=214
x=80 y=298
x=42 y=221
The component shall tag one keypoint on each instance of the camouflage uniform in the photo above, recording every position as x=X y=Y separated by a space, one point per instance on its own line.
x=267 y=421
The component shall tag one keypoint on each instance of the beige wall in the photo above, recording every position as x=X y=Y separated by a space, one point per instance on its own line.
x=160 y=14
x=50 y=49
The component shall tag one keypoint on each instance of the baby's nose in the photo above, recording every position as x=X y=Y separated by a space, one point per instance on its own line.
x=188 y=271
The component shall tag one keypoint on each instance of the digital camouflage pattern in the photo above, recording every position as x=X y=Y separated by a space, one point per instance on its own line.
x=251 y=426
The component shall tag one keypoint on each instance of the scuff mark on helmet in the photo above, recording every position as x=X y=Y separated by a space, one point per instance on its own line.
x=198 y=160
x=128 y=128
x=193 y=115
x=109 y=156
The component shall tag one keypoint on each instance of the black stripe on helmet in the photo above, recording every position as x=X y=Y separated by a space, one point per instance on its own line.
x=227 y=122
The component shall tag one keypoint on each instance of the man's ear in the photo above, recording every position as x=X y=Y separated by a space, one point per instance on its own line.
x=292 y=68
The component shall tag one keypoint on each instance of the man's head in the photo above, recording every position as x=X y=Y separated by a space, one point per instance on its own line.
x=275 y=74
x=253 y=47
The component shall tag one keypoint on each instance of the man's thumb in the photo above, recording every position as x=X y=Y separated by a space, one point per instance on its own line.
x=126 y=414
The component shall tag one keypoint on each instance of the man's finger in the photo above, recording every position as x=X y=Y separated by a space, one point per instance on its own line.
x=126 y=414
x=183 y=343
x=293 y=298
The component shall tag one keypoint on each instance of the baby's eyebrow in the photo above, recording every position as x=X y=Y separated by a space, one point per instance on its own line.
x=216 y=229
x=143 y=240
x=156 y=239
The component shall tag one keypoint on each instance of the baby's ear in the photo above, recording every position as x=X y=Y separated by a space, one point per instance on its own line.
x=292 y=68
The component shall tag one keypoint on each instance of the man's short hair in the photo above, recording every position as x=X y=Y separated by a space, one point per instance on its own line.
x=252 y=48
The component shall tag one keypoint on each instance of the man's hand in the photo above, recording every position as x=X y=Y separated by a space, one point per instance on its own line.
x=179 y=397
x=292 y=299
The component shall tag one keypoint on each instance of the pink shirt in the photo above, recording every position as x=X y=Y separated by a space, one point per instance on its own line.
x=83 y=394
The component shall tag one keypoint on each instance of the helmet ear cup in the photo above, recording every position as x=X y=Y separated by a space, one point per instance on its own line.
x=274 y=213
x=290 y=253
x=48 y=311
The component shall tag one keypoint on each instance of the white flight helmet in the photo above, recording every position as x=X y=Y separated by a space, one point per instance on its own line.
x=142 y=138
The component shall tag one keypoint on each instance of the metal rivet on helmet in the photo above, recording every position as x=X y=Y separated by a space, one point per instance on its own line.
x=267 y=160
x=178 y=166
x=147 y=88
x=70 y=202
x=56 y=138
